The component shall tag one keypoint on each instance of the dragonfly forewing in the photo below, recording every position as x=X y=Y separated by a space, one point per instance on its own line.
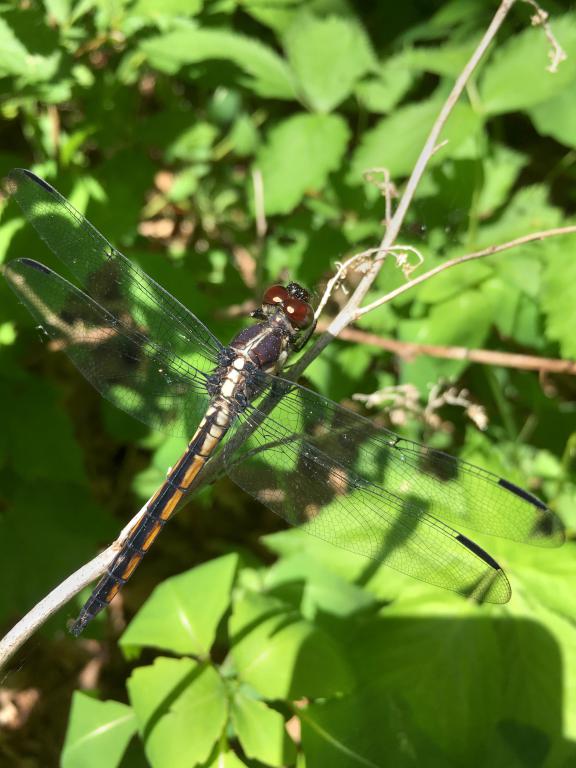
x=112 y=280
x=142 y=378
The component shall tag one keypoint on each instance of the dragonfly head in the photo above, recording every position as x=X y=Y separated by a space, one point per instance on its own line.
x=293 y=301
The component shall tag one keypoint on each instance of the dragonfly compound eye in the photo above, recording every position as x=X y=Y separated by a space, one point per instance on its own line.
x=276 y=294
x=299 y=312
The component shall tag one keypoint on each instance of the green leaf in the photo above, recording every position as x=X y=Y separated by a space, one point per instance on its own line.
x=282 y=655
x=261 y=731
x=13 y=54
x=327 y=55
x=516 y=77
x=295 y=541
x=396 y=141
x=167 y=454
x=183 y=613
x=475 y=311
x=453 y=282
x=181 y=708
x=331 y=735
x=558 y=297
x=448 y=59
x=298 y=156
x=35 y=409
x=98 y=733
x=276 y=14
x=157 y=9
x=324 y=591
x=528 y=211
x=480 y=670
x=67 y=526
x=501 y=169
x=268 y=74
x=16 y=60
x=557 y=117
x=227 y=760
x=384 y=90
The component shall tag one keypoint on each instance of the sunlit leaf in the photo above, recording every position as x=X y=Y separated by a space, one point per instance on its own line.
x=330 y=737
x=396 y=141
x=517 y=75
x=261 y=731
x=558 y=293
x=181 y=709
x=298 y=156
x=268 y=74
x=327 y=55
x=183 y=613
x=283 y=656
x=557 y=116
x=98 y=733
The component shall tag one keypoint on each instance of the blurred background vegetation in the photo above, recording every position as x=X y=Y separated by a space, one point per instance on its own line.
x=162 y=121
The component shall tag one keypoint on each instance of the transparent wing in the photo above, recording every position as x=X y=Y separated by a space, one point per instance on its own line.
x=113 y=281
x=370 y=491
x=137 y=375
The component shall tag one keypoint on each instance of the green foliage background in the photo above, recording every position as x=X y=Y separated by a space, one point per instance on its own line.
x=151 y=117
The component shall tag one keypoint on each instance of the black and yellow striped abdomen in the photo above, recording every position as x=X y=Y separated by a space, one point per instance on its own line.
x=159 y=510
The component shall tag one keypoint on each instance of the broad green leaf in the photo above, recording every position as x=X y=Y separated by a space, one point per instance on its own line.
x=323 y=590
x=331 y=735
x=261 y=731
x=194 y=143
x=517 y=76
x=295 y=541
x=276 y=14
x=14 y=58
x=31 y=68
x=462 y=321
x=500 y=171
x=452 y=282
x=183 y=613
x=268 y=74
x=528 y=211
x=472 y=671
x=543 y=577
x=448 y=59
x=396 y=141
x=520 y=270
x=98 y=733
x=299 y=154
x=156 y=9
x=227 y=760
x=557 y=116
x=281 y=655
x=58 y=10
x=381 y=92
x=558 y=298
x=181 y=708
x=327 y=55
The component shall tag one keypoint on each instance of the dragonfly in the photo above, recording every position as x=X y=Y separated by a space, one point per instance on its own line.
x=314 y=463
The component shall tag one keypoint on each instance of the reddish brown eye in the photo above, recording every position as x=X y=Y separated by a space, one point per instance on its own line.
x=276 y=294
x=299 y=312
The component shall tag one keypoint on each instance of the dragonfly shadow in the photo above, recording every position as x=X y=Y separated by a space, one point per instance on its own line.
x=490 y=690
x=399 y=533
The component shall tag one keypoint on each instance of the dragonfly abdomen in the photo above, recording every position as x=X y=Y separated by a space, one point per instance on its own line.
x=160 y=508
